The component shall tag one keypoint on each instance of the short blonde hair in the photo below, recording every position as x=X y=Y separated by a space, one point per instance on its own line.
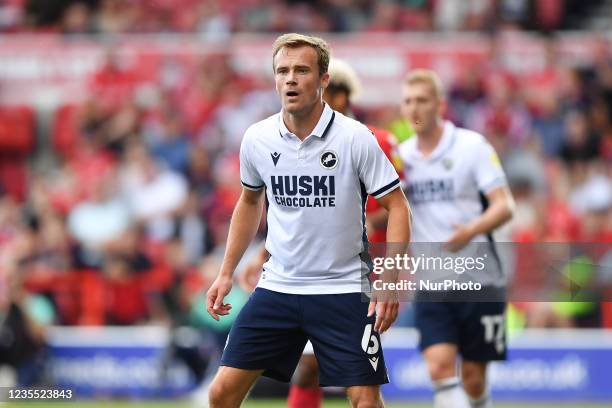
x=426 y=76
x=343 y=76
x=294 y=40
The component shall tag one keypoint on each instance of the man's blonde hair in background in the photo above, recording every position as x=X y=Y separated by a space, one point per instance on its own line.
x=428 y=77
x=294 y=40
x=343 y=76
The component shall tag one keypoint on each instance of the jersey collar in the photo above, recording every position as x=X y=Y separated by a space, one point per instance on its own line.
x=320 y=130
x=446 y=142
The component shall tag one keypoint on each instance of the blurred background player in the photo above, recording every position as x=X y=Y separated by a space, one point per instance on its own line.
x=458 y=194
x=344 y=87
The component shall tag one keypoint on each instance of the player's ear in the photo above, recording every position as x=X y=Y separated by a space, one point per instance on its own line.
x=324 y=80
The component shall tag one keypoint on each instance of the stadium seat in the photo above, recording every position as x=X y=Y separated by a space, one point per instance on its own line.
x=65 y=130
x=16 y=130
x=17 y=139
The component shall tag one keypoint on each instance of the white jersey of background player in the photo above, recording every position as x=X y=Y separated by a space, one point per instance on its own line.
x=448 y=188
x=458 y=194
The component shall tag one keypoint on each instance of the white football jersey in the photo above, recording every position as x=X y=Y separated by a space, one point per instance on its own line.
x=316 y=191
x=449 y=188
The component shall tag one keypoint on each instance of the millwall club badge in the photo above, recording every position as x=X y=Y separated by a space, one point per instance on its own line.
x=329 y=160
x=447 y=163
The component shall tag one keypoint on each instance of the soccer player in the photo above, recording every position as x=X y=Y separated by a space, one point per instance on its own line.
x=458 y=195
x=315 y=167
x=343 y=86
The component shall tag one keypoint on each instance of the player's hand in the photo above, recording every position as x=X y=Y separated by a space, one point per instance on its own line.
x=461 y=237
x=215 y=295
x=386 y=306
x=250 y=275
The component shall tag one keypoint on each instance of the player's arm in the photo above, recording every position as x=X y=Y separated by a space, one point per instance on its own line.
x=490 y=178
x=398 y=219
x=250 y=275
x=377 y=219
x=398 y=236
x=243 y=227
x=499 y=211
x=381 y=181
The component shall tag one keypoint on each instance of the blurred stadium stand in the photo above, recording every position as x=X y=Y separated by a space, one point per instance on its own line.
x=120 y=123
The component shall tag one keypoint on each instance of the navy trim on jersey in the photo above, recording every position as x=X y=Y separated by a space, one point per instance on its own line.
x=485 y=204
x=365 y=254
x=385 y=188
x=253 y=187
x=324 y=131
x=328 y=125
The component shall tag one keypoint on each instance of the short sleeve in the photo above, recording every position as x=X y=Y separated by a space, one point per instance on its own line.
x=488 y=169
x=373 y=167
x=249 y=176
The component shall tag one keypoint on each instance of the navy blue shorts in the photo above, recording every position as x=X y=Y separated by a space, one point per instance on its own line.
x=272 y=328
x=477 y=328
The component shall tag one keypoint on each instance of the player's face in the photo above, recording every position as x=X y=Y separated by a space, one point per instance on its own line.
x=297 y=79
x=420 y=106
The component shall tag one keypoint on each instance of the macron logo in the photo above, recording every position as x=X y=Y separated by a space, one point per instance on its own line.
x=275 y=157
x=374 y=362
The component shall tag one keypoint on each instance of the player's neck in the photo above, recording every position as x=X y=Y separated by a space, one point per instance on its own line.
x=302 y=125
x=428 y=141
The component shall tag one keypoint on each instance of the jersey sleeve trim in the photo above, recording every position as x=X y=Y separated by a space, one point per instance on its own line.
x=384 y=190
x=250 y=187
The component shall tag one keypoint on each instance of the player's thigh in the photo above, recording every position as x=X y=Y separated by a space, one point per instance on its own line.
x=348 y=350
x=437 y=323
x=266 y=335
x=307 y=375
x=365 y=395
x=483 y=331
x=231 y=385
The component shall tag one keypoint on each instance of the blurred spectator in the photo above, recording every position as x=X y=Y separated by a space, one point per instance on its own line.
x=12 y=14
x=501 y=117
x=385 y=17
x=224 y=198
x=154 y=194
x=102 y=218
x=580 y=145
x=127 y=299
x=467 y=90
x=199 y=173
x=76 y=19
x=112 y=85
x=115 y=16
x=23 y=320
x=169 y=143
